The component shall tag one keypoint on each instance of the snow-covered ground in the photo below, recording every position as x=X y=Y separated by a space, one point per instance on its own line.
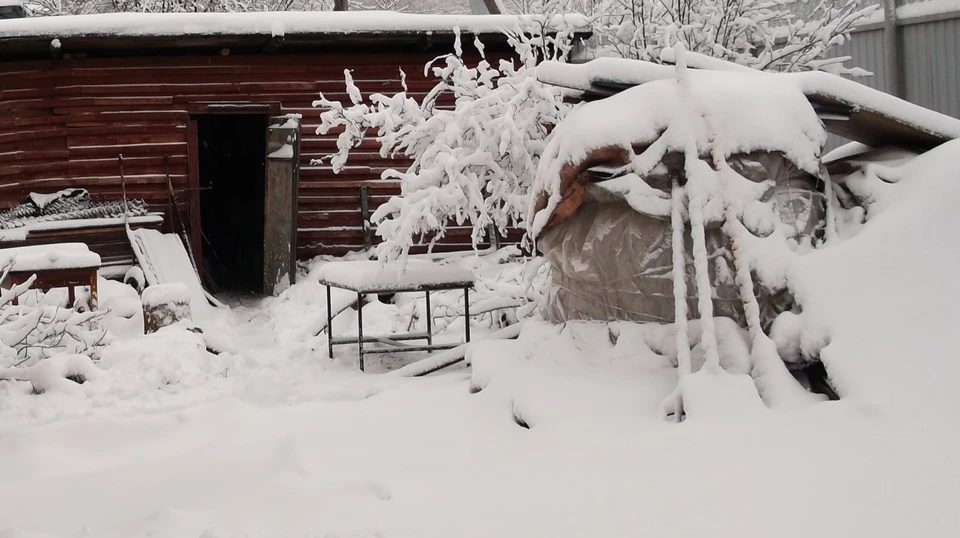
x=554 y=434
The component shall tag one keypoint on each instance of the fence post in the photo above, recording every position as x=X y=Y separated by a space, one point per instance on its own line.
x=891 y=48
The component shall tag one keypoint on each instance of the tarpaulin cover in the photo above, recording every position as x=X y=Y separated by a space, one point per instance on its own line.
x=611 y=262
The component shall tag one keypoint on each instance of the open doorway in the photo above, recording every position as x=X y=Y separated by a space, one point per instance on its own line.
x=231 y=152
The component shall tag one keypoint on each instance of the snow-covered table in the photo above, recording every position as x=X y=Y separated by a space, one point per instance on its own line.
x=364 y=277
x=62 y=265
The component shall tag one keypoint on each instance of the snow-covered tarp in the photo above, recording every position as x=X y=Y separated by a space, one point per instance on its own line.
x=263 y=23
x=734 y=113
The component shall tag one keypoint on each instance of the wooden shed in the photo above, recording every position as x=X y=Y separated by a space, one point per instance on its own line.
x=198 y=98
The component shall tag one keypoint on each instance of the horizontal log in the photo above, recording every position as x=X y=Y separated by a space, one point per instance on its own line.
x=129 y=150
x=27 y=156
x=83 y=141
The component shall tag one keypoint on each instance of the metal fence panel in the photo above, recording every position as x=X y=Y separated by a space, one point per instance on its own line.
x=929 y=58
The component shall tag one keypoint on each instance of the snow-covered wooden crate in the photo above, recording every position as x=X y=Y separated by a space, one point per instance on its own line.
x=165 y=304
x=63 y=265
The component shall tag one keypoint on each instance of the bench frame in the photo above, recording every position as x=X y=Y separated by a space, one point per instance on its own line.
x=396 y=340
x=48 y=279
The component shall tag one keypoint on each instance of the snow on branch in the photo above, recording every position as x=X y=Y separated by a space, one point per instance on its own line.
x=474 y=141
x=761 y=34
x=32 y=332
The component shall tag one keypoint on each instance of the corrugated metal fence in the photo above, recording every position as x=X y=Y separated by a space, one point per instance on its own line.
x=929 y=58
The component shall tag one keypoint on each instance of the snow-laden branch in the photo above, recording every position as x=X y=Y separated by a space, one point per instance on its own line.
x=472 y=164
x=32 y=332
x=762 y=34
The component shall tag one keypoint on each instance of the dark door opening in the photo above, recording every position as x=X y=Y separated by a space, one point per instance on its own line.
x=231 y=156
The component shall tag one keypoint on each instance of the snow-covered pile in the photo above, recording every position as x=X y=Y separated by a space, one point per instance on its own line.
x=720 y=113
x=889 y=294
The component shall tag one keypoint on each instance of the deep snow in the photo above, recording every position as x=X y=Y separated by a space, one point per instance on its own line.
x=270 y=438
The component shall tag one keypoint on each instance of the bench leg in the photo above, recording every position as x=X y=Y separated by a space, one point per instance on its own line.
x=429 y=321
x=329 y=326
x=360 y=327
x=466 y=313
x=71 y=297
x=93 y=291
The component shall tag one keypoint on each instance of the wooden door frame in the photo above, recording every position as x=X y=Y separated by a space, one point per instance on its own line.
x=266 y=109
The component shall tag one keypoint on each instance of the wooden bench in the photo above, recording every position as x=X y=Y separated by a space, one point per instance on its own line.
x=64 y=265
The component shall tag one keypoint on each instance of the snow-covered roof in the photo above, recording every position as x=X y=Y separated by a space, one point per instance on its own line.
x=851 y=109
x=259 y=23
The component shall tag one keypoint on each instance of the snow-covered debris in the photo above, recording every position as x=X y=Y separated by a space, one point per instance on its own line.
x=53 y=373
x=67 y=209
x=41 y=200
x=261 y=23
x=164 y=260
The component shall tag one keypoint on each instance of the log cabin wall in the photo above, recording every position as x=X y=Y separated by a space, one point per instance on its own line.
x=64 y=121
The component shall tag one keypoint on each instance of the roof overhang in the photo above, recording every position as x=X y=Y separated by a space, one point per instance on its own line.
x=137 y=33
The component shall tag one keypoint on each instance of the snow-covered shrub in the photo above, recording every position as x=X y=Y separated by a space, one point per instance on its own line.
x=31 y=332
x=473 y=163
x=762 y=34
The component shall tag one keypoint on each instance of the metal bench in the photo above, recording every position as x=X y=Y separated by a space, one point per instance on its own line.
x=369 y=277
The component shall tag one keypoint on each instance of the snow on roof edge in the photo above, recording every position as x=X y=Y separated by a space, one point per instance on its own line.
x=626 y=72
x=265 y=23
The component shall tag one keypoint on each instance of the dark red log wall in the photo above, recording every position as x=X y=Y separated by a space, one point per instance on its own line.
x=63 y=122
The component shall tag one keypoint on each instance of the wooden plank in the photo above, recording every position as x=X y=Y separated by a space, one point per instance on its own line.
x=128 y=149
x=75 y=141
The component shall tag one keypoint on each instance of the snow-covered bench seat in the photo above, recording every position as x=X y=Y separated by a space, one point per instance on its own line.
x=61 y=265
x=365 y=277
